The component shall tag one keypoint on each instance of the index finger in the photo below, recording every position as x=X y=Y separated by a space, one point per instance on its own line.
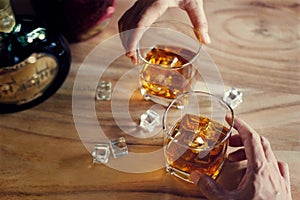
x=197 y=16
x=252 y=143
x=147 y=14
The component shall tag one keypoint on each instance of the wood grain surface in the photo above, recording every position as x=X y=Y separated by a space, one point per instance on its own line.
x=45 y=152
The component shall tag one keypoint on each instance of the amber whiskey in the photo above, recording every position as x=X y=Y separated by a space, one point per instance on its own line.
x=196 y=143
x=167 y=72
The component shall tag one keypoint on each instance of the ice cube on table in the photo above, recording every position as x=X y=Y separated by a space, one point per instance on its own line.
x=101 y=153
x=119 y=147
x=233 y=97
x=103 y=91
x=149 y=120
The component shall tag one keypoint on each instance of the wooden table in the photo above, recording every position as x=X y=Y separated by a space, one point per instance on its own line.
x=255 y=45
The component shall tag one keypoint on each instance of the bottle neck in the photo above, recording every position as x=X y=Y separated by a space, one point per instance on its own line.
x=7 y=18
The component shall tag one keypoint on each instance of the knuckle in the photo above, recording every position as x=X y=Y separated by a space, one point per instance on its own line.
x=261 y=169
x=254 y=138
x=257 y=167
x=192 y=3
x=266 y=144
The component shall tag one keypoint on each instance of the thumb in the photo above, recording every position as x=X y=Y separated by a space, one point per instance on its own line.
x=208 y=187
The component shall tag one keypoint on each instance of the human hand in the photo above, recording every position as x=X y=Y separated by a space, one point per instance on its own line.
x=265 y=177
x=145 y=12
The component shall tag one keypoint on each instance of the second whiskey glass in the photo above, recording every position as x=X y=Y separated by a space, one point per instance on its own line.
x=196 y=135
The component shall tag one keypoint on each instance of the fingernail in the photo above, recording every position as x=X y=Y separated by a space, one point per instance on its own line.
x=132 y=57
x=206 y=38
x=195 y=176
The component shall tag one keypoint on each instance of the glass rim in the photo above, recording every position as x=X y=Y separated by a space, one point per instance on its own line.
x=165 y=132
x=191 y=61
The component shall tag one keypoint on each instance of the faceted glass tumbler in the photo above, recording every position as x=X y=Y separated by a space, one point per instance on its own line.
x=196 y=135
x=166 y=55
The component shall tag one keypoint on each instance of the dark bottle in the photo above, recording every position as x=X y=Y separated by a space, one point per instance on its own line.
x=34 y=61
x=78 y=20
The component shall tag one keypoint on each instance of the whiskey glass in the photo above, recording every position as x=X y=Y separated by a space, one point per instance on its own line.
x=166 y=54
x=196 y=135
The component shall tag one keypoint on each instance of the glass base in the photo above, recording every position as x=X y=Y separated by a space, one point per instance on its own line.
x=186 y=176
x=159 y=100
